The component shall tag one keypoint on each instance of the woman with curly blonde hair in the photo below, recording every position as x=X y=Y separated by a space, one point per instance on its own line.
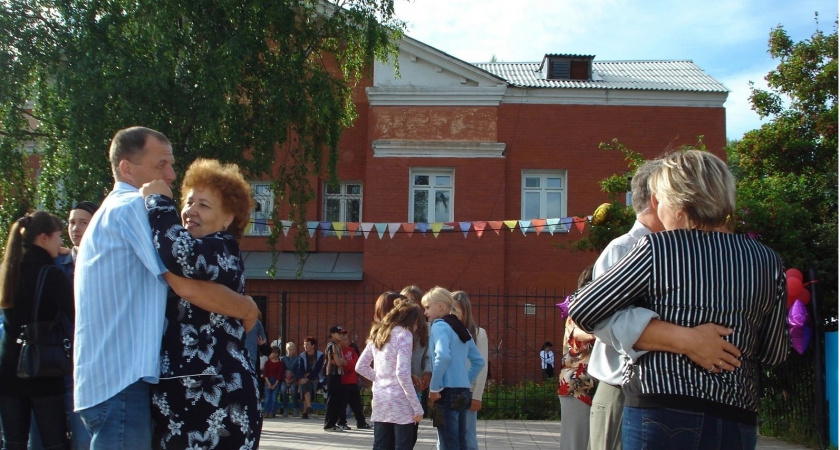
x=207 y=396
x=395 y=407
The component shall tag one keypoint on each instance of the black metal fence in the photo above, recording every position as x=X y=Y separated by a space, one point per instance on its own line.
x=517 y=325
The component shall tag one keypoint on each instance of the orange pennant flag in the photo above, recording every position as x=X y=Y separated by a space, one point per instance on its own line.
x=352 y=228
x=479 y=228
x=538 y=225
x=496 y=225
x=580 y=223
x=409 y=228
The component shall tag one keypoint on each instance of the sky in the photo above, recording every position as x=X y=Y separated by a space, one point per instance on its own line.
x=726 y=38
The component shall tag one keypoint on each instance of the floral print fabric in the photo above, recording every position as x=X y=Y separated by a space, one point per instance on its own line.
x=207 y=397
x=574 y=381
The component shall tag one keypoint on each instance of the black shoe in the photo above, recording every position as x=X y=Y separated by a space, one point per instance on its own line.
x=304 y=416
x=335 y=428
x=344 y=427
x=364 y=426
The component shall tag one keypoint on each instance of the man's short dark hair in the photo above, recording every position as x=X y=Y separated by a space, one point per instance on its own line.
x=128 y=144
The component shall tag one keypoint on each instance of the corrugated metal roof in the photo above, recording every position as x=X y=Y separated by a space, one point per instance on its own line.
x=636 y=75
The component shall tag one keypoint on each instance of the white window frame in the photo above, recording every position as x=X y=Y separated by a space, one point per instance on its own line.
x=432 y=189
x=544 y=190
x=343 y=197
x=260 y=217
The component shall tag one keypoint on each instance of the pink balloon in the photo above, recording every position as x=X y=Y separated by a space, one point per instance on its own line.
x=793 y=273
x=804 y=295
x=800 y=337
x=798 y=315
x=794 y=285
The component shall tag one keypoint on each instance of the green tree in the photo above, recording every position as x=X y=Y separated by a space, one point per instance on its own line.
x=787 y=169
x=270 y=80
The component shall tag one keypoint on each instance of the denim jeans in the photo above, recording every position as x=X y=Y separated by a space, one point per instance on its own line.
x=455 y=403
x=122 y=421
x=270 y=405
x=16 y=412
x=392 y=436
x=79 y=435
x=472 y=430
x=284 y=396
x=664 y=428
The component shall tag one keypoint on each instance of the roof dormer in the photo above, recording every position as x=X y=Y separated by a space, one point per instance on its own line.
x=567 y=67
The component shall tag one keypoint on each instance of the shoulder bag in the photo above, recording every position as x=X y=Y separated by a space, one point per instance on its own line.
x=46 y=346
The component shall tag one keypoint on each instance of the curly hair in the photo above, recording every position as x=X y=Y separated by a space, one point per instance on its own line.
x=405 y=314
x=227 y=180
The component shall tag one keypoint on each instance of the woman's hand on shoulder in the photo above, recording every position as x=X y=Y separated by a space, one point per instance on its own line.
x=155 y=187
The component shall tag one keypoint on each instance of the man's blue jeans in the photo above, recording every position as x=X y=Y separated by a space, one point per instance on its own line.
x=392 y=436
x=456 y=403
x=664 y=428
x=122 y=421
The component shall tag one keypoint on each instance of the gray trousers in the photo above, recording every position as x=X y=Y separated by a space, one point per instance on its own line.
x=605 y=418
x=574 y=424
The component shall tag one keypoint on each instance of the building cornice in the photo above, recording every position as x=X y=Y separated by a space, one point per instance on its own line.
x=401 y=96
x=437 y=149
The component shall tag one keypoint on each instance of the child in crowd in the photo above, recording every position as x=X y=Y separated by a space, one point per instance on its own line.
x=334 y=369
x=450 y=346
x=289 y=384
x=477 y=386
x=350 y=387
x=272 y=374
x=396 y=408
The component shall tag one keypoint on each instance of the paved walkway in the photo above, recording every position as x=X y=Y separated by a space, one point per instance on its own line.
x=294 y=433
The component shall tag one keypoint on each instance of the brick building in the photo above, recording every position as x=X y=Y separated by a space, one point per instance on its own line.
x=448 y=141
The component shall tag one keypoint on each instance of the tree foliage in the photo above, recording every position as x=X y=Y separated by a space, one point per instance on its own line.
x=270 y=80
x=787 y=169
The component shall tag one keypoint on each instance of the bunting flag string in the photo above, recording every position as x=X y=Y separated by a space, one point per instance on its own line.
x=351 y=229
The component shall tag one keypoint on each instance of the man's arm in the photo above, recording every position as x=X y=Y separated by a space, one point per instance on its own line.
x=215 y=297
x=703 y=344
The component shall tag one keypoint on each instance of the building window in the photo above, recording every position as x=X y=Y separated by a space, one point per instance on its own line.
x=343 y=202
x=431 y=195
x=260 y=224
x=543 y=194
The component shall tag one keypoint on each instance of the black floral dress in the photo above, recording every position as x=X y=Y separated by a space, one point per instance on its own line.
x=207 y=397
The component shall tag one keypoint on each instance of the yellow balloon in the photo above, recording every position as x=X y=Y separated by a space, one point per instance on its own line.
x=600 y=214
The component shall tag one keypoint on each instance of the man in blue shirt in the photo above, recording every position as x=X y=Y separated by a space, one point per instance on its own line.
x=120 y=294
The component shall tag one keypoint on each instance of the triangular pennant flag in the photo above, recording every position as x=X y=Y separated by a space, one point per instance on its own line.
x=580 y=223
x=496 y=225
x=366 y=226
x=325 y=228
x=525 y=226
x=352 y=228
x=393 y=227
x=510 y=224
x=287 y=225
x=552 y=224
x=311 y=227
x=423 y=227
x=409 y=228
x=465 y=228
x=380 y=228
x=538 y=225
x=479 y=228
x=339 y=228
x=436 y=228
x=566 y=221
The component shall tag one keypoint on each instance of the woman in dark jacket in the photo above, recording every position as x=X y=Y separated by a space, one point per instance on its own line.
x=34 y=241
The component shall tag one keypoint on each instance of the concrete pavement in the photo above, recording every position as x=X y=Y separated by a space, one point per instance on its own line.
x=295 y=433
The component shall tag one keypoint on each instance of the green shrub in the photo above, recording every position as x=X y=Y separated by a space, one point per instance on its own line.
x=525 y=401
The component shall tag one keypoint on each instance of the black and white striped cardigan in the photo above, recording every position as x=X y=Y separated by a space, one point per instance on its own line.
x=691 y=277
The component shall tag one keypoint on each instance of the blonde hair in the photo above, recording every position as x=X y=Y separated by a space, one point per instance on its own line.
x=697 y=183
x=438 y=294
x=466 y=312
x=405 y=313
x=289 y=345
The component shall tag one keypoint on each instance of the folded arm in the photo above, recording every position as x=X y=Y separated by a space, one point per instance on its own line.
x=215 y=297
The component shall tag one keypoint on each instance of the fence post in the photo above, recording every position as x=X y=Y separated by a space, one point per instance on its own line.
x=284 y=296
x=819 y=366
